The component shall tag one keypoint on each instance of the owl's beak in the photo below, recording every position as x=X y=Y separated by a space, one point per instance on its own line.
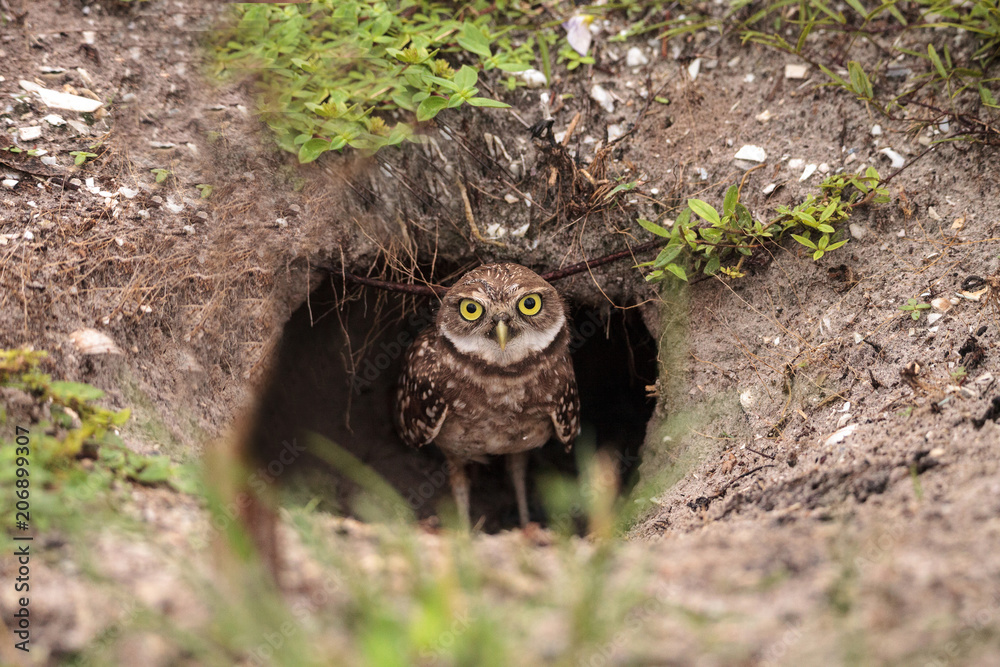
x=502 y=333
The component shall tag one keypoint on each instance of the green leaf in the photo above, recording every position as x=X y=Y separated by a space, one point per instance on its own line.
x=704 y=210
x=826 y=229
x=729 y=203
x=804 y=240
x=987 y=97
x=858 y=7
x=938 y=65
x=654 y=228
x=512 y=67
x=430 y=107
x=677 y=271
x=713 y=266
x=466 y=77
x=836 y=79
x=472 y=39
x=667 y=255
x=859 y=80
x=487 y=102
x=157 y=469
x=312 y=149
x=67 y=392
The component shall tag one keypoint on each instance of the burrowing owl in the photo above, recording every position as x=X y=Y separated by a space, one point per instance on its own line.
x=492 y=376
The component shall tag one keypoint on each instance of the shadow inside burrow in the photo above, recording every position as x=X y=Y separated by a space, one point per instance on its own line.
x=335 y=376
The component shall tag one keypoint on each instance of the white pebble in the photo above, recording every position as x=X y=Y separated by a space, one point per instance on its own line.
x=603 y=98
x=895 y=158
x=55 y=119
x=694 y=68
x=769 y=188
x=795 y=163
x=29 y=133
x=636 y=58
x=10 y=183
x=615 y=131
x=876 y=130
x=794 y=71
x=532 y=78
x=510 y=199
x=763 y=116
x=857 y=231
x=751 y=153
x=807 y=172
x=934 y=317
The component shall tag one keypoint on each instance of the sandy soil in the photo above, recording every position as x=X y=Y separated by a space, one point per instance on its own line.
x=802 y=542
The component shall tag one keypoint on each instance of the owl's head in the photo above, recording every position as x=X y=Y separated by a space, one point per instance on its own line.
x=501 y=314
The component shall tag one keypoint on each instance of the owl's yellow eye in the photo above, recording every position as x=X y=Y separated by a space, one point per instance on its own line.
x=530 y=304
x=470 y=310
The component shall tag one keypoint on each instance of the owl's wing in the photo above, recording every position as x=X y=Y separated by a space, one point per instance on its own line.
x=566 y=409
x=420 y=406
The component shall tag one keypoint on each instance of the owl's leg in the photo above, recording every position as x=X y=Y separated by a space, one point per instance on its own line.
x=517 y=464
x=459 y=488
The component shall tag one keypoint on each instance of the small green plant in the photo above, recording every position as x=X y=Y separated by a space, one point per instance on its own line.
x=160 y=174
x=915 y=307
x=572 y=59
x=205 y=189
x=74 y=428
x=916 y=37
x=959 y=374
x=707 y=241
x=33 y=152
x=336 y=74
x=80 y=157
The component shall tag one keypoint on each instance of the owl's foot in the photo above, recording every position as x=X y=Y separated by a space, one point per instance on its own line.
x=517 y=464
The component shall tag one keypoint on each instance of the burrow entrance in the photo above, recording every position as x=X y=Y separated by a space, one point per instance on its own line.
x=335 y=374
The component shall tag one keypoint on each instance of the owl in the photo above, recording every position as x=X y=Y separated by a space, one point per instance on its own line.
x=492 y=377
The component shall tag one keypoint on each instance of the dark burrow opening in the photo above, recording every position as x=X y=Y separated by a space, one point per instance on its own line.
x=336 y=369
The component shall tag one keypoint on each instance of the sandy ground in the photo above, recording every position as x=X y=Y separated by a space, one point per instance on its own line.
x=833 y=494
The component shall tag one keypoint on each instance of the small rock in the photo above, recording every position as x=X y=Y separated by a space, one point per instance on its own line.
x=519 y=232
x=795 y=71
x=876 y=130
x=188 y=229
x=173 y=207
x=807 y=172
x=840 y=435
x=50 y=160
x=281 y=222
x=128 y=193
x=769 y=188
x=146 y=309
x=57 y=100
x=155 y=200
x=958 y=223
x=28 y=235
x=54 y=119
x=10 y=183
x=858 y=338
x=895 y=158
x=763 y=116
x=532 y=78
x=824 y=168
x=80 y=128
x=636 y=58
x=615 y=131
x=934 y=317
x=30 y=133
x=750 y=78
x=795 y=163
x=857 y=231
x=603 y=98
x=901 y=233
x=91 y=341
x=694 y=68
x=751 y=153
x=936 y=453
x=128 y=98
x=933 y=214
x=510 y=199
x=76 y=181
x=942 y=304
x=201 y=215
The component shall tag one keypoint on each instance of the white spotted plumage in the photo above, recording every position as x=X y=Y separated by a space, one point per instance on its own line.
x=473 y=396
